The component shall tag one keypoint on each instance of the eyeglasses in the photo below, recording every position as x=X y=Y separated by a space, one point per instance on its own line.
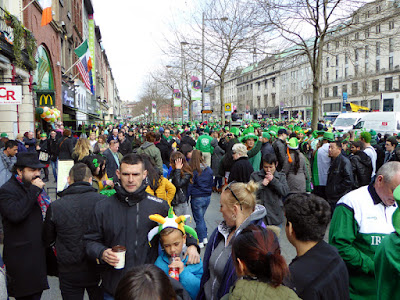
x=237 y=199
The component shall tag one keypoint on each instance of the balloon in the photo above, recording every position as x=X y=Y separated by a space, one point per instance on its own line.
x=48 y=113
x=39 y=110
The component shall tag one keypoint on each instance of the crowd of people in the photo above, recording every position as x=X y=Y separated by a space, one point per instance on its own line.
x=135 y=186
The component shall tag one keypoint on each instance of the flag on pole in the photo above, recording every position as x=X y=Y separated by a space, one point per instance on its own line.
x=46 y=13
x=85 y=63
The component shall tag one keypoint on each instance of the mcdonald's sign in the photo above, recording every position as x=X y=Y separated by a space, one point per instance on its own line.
x=45 y=98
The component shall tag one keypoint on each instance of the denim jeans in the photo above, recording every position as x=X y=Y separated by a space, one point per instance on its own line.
x=108 y=296
x=199 y=206
x=217 y=182
x=54 y=168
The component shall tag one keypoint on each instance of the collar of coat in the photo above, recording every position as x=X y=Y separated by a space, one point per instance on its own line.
x=130 y=198
x=374 y=195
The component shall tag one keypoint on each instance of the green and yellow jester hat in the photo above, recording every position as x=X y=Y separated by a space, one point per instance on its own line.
x=171 y=221
x=396 y=214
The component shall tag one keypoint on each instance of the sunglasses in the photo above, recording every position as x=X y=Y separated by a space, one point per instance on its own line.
x=228 y=187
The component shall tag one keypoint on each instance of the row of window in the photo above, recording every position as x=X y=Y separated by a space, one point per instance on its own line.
x=335 y=107
x=365 y=88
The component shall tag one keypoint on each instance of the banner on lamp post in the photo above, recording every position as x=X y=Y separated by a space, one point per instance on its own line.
x=196 y=88
x=153 y=107
x=177 y=95
x=146 y=110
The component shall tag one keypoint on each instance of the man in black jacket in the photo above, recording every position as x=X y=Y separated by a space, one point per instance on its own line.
x=66 y=222
x=164 y=147
x=123 y=219
x=340 y=175
x=318 y=271
x=280 y=148
x=125 y=146
x=22 y=204
x=361 y=164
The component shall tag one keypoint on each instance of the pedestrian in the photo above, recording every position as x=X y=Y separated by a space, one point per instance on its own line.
x=113 y=135
x=149 y=148
x=215 y=161
x=181 y=176
x=392 y=154
x=253 y=146
x=280 y=148
x=97 y=165
x=361 y=164
x=317 y=271
x=365 y=138
x=259 y=266
x=44 y=154
x=296 y=171
x=125 y=146
x=30 y=142
x=53 y=153
x=242 y=168
x=21 y=144
x=101 y=145
x=7 y=160
x=65 y=146
x=66 y=222
x=23 y=205
x=113 y=159
x=145 y=282
x=239 y=210
x=81 y=150
x=361 y=220
x=92 y=140
x=164 y=146
x=112 y=225
x=266 y=146
x=273 y=189
x=200 y=193
x=157 y=184
x=204 y=145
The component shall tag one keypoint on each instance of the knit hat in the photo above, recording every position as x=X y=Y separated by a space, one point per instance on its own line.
x=3 y=134
x=171 y=221
x=329 y=136
x=43 y=135
x=293 y=143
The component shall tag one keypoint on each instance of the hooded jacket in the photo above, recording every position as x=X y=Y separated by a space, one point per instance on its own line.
x=202 y=184
x=66 y=222
x=220 y=234
x=271 y=195
x=151 y=150
x=362 y=168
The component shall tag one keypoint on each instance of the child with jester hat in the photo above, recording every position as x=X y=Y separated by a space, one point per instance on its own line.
x=172 y=230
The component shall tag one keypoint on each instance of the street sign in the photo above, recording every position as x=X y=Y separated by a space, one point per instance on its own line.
x=204 y=111
x=344 y=101
x=228 y=108
x=10 y=94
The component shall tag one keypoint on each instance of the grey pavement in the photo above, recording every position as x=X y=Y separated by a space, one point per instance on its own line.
x=213 y=217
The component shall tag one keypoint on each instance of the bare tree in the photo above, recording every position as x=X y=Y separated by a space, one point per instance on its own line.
x=306 y=25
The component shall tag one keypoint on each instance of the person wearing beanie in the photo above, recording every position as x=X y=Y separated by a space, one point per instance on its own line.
x=253 y=149
x=366 y=138
x=266 y=146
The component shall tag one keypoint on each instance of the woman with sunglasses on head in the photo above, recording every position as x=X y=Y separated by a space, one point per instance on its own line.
x=239 y=209
x=260 y=266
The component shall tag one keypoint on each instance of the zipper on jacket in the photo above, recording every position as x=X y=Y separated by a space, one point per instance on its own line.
x=137 y=226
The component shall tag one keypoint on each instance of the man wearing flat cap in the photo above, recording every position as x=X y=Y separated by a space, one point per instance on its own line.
x=23 y=205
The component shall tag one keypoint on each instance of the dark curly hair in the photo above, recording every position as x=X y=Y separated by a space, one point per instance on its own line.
x=309 y=215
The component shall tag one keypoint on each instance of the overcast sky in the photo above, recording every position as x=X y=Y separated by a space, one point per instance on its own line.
x=132 y=34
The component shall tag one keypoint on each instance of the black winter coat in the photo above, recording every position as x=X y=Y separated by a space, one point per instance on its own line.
x=67 y=220
x=362 y=168
x=340 y=179
x=280 y=152
x=125 y=147
x=165 y=149
x=24 y=253
x=267 y=149
x=53 y=149
x=123 y=219
x=187 y=140
x=45 y=147
x=181 y=184
x=65 y=148
x=241 y=170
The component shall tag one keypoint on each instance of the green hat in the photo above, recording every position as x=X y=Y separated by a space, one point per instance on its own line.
x=297 y=128
x=3 y=134
x=293 y=143
x=329 y=136
x=235 y=131
x=226 y=128
x=396 y=214
x=207 y=129
x=256 y=125
x=372 y=132
x=248 y=136
x=43 y=135
x=266 y=135
x=273 y=130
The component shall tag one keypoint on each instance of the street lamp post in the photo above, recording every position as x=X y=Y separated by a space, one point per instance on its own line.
x=203 y=58
x=182 y=79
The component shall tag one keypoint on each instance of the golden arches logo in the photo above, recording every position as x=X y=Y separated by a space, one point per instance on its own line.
x=45 y=98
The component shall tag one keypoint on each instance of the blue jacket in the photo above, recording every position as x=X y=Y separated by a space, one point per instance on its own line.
x=190 y=276
x=202 y=184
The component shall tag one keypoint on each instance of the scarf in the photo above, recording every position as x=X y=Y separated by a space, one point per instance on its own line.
x=7 y=160
x=43 y=199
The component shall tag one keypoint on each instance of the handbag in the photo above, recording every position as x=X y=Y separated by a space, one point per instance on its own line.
x=179 y=198
x=43 y=156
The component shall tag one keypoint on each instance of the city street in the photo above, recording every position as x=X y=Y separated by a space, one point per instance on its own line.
x=213 y=217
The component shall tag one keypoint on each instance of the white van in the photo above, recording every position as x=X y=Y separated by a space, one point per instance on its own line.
x=346 y=121
x=381 y=122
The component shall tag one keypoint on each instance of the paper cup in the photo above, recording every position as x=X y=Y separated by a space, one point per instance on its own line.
x=120 y=252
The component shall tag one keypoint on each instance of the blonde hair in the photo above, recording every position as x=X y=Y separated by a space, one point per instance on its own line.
x=245 y=192
x=82 y=148
x=240 y=149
